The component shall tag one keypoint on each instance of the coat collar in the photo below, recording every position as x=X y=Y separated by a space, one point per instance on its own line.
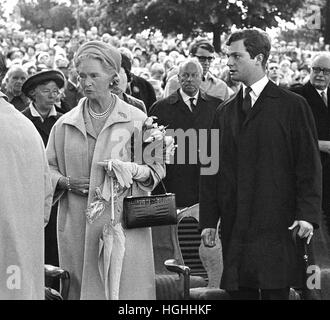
x=313 y=93
x=270 y=91
x=175 y=96
x=120 y=113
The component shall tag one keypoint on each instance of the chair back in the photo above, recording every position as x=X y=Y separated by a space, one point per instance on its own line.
x=203 y=261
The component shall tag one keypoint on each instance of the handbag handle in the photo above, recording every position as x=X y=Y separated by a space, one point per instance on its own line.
x=160 y=180
x=155 y=172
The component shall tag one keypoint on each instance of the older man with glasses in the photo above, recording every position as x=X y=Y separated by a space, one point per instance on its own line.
x=316 y=92
x=203 y=50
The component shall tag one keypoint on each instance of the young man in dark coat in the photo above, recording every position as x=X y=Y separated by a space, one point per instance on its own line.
x=269 y=181
x=184 y=117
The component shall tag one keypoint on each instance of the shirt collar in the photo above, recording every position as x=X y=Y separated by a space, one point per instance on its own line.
x=209 y=77
x=186 y=98
x=75 y=85
x=325 y=91
x=258 y=86
x=36 y=114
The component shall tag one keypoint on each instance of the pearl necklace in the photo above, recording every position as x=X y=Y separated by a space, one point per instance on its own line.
x=101 y=115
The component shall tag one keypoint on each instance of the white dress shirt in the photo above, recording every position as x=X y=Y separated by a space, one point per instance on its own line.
x=256 y=89
x=325 y=91
x=186 y=98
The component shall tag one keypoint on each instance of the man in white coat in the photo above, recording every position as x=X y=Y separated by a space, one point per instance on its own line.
x=25 y=202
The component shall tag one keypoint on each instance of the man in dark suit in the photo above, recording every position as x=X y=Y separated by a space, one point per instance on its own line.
x=316 y=92
x=269 y=181
x=185 y=112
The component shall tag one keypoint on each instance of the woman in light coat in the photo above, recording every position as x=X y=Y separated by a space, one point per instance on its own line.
x=105 y=260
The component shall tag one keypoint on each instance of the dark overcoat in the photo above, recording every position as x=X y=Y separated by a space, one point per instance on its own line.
x=45 y=127
x=270 y=175
x=321 y=115
x=182 y=177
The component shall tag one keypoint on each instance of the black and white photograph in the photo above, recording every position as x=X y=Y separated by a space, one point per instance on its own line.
x=164 y=154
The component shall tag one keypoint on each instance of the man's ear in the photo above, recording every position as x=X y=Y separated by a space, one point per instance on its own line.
x=259 y=58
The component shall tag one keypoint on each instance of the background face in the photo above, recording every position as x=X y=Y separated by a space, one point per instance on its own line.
x=273 y=70
x=190 y=79
x=122 y=80
x=202 y=54
x=15 y=81
x=320 y=80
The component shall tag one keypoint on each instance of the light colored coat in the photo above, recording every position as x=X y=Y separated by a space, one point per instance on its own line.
x=25 y=198
x=67 y=152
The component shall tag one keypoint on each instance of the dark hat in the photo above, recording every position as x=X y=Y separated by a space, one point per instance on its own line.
x=42 y=77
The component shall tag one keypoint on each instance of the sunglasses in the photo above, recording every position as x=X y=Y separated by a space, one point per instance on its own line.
x=317 y=70
x=204 y=59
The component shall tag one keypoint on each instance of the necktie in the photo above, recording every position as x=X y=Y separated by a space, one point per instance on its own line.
x=324 y=98
x=192 y=106
x=247 y=104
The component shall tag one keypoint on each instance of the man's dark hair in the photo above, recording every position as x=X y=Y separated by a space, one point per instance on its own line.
x=126 y=64
x=255 y=41
x=203 y=44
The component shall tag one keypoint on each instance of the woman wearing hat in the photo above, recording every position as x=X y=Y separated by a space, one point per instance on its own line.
x=99 y=129
x=43 y=89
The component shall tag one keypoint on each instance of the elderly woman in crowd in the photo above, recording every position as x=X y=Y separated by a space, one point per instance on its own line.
x=43 y=88
x=105 y=260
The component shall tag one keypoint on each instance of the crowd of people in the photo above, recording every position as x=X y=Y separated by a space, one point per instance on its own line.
x=77 y=99
x=153 y=57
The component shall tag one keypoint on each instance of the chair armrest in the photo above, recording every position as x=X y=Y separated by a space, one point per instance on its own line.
x=55 y=272
x=172 y=266
x=59 y=273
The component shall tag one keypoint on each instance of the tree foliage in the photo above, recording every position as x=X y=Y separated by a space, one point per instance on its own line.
x=46 y=14
x=191 y=16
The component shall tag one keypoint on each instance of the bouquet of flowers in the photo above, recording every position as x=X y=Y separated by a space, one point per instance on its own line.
x=160 y=146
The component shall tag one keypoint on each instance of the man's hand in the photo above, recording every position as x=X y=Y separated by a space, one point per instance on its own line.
x=305 y=229
x=324 y=146
x=208 y=236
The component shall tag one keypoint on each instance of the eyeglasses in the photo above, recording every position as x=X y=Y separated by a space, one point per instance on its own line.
x=47 y=92
x=317 y=70
x=204 y=59
x=187 y=75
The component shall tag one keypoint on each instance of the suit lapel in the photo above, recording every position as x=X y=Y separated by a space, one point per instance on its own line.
x=181 y=103
x=270 y=91
x=315 y=96
x=236 y=118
